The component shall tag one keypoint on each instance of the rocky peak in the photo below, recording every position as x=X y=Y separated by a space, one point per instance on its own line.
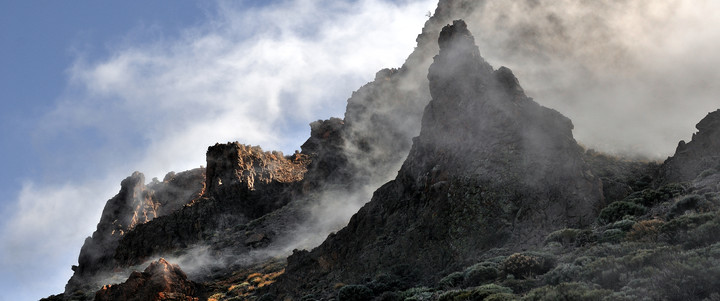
x=491 y=168
x=161 y=280
x=700 y=154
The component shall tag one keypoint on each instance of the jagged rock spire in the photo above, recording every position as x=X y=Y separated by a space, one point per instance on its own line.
x=491 y=168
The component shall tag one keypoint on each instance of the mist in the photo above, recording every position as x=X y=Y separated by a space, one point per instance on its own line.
x=634 y=76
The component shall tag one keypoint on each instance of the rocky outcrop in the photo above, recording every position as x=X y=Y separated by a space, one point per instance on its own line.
x=700 y=154
x=160 y=281
x=491 y=168
x=243 y=183
x=134 y=205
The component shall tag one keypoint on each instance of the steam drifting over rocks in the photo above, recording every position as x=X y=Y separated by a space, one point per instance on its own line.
x=487 y=157
x=488 y=171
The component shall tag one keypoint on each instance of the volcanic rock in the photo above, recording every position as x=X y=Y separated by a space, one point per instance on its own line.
x=160 y=281
x=491 y=168
x=134 y=205
x=243 y=183
x=700 y=154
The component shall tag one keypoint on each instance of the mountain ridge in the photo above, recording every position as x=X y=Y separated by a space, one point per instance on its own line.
x=503 y=163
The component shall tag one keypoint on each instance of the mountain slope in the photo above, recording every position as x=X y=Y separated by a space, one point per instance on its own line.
x=490 y=169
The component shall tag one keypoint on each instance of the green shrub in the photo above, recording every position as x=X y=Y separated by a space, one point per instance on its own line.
x=528 y=264
x=612 y=235
x=383 y=283
x=355 y=293
x=416 y=293
x=704 y=234
x=480 y=274
x=676 y=230
x=672 y=190
x=618 y=210
x=647 y=197
x=476 y=294
x=567 y=291
x=691 y=202
x=502 y=297
x=390 y=296
x=624 y=225
x=565 y=272
x=565 y=236
x=692 y=278
x=520 y=286
x=586 y=237
x=452 y=281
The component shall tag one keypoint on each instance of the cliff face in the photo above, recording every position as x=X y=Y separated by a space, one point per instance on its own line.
x=487 y=157
x=134 y=205
x=243 y=183
x=700 y=154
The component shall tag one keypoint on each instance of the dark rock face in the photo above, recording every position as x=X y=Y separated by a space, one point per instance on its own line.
x=134 y=205
x=700 y=154
x=160 y=281
x=243 y=183
x=491 y=168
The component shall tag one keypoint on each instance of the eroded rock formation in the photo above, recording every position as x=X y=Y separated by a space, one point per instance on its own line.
x=700 y=154
x=243 y=184
x=134 y=205
x=161 y=281
x=491 y=168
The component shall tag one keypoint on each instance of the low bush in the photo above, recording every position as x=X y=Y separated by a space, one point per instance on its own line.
x=567 y=291
x=479 y=274
x=619 y=210
x=565 y=236
x=384 y=282
x=624 y=225
x=612 y=235
x=453 y=280
x=676 y=230
x=693 y=202
x=646 y=230
x=476 y=294
x=390 y=296
x=528 y=264
x=355 y=293
x=502 y=297
x=416 y=293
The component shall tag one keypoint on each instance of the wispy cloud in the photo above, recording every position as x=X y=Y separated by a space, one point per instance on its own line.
x=634 y=76
x=257 y=75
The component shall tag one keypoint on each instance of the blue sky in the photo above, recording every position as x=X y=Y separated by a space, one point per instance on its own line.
x=94 y=90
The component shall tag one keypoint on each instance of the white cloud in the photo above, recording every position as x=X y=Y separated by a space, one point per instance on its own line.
x=634 y=76
x=43 y=235
x=257 y=75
